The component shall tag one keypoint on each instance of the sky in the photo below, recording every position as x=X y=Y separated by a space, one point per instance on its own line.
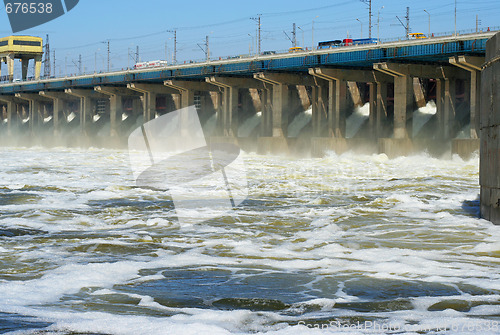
x=231 y=31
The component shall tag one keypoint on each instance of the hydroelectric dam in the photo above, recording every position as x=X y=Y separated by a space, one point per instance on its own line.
x=266 y=93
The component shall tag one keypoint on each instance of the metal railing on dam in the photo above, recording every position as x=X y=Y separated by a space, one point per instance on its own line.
x=433 y=50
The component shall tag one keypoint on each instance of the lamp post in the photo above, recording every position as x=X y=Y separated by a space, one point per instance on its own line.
x=251 y=44
x=313 y=48
x=361 y=27
x=429 y=23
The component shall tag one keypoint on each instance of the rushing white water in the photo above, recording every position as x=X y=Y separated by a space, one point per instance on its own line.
x=246 y=129
x=320 y=243
x=422 y=116
x=357 y=119
x=70 y=117
x=299 y=122
x=210 y=125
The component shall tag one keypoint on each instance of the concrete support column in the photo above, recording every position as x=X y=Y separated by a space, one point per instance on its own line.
x=403 y=104
x=381 y=119
x=279 y=110
x=419 y=93
x=448 y=126
x=338 y=94
x=474 y=66
x=25 y=64
x=217 y=102
x=373 y=109
x=137 y=106
x=266 y=123
x=58 y=106
x=150 y=92
x=10 y=66
x=339 y=111
x=35 y=109
x=10 y=112
x=231 y=115
x=116 y=107
x=490 y=133
x=86 y=107
x=186 y=90
x=230 y=87
x=38 y=66
x=475 y=104
x=319 y=109
x=13 y=111
x=149 y=106
x=116 y=95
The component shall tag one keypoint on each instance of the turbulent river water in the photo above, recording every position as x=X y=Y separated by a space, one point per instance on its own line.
x=353 y=244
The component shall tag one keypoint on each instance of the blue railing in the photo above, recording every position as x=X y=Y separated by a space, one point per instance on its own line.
x=297 y=62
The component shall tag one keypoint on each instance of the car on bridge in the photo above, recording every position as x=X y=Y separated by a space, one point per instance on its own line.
x=295 y=49
x=417 y=36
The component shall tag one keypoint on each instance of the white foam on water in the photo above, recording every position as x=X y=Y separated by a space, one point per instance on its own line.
x=47 y=119
x=337 y=220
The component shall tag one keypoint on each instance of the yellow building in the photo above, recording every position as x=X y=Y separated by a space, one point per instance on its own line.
x=23 y=48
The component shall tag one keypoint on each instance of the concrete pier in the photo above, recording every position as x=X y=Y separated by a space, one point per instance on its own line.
x=490 y=133
x=262 y=102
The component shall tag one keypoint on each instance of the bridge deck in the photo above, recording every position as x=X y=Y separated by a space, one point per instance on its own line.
x=435 y=50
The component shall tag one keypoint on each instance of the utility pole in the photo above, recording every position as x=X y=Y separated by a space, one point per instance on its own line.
x=166 y=51
x=369 y=3
x=378 y=24
x=408 y=22
x=175 y=44
x=54 y=60
x=455 y=17
x=407 y=26
x=206 y=50
x=137 y=59
x=108 y=56
x=258 y=20
x=46 y=69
